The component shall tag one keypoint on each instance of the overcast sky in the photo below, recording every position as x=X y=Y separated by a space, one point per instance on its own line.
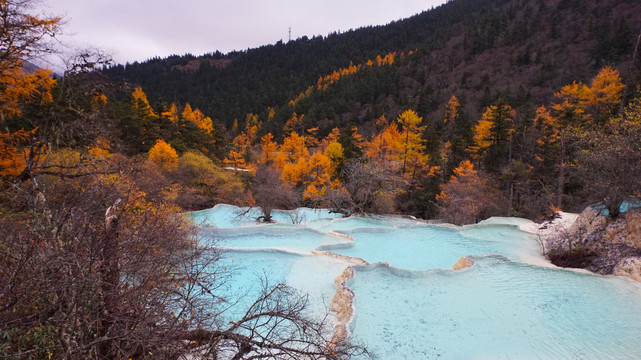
x=136 y=30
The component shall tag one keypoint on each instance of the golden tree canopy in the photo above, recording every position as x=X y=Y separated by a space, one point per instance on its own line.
x=269 y=147
x=22 y=37
x=140 y=103
x=164 y=155
x=197 y=117
x=451 y=110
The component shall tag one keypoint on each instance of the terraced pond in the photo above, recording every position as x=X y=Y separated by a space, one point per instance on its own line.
x=409 y=304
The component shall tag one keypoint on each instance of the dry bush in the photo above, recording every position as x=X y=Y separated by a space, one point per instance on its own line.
x=93 y=268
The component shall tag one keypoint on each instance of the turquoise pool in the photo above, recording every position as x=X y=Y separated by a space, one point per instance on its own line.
x=511 y=304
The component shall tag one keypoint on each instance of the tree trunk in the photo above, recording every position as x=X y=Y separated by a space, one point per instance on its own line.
x=407 y=139
x=110 y=273
x=561 y=178
x=509 y=206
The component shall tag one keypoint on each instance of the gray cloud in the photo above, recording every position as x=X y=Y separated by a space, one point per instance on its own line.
x=135 y=30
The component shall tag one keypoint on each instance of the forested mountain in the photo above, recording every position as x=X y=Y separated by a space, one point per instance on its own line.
x=474 y=109
x=478 y=50
x=474 y=74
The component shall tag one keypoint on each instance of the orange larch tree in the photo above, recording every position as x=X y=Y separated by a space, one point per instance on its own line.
x=294 y=124
x=21 y=38
x=387 y=146
x=239 y=152
x=197 y=117
x=140 y=104
x=604 y=94
x=292 y=149
x=413 y=158
x=451 y=111
x=269 y=148
x=492 y=135
x=163 y=155
x=578 y=109
x=171 y=113
x=319 y=174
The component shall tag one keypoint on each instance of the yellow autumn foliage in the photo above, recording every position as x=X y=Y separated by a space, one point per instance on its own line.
x=385 y=146
x=269 y=148
x=140 y=104
x=163 y=155
x=13 y=153
x=171 y=113
x=197 y=117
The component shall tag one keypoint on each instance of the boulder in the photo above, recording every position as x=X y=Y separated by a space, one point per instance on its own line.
x=629 y=267
x=630 y=232
x=462 y=263
x=615 y=242
x=588 y=228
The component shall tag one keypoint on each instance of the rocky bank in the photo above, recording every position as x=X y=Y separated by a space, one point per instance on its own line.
x=596 y=242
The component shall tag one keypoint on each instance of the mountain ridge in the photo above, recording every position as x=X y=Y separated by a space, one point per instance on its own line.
x=479 y=50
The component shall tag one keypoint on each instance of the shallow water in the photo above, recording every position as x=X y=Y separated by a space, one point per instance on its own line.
x=309 y=274
x=497 y=309
x=425 y=247
x=409 y=305
x=225 y=216
x=270 y=236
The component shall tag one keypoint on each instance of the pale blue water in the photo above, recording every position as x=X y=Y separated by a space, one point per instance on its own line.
x=355 y=222
x=409 y=305
x=251 y=270
x=425 y=247
x=228 y=216
x=497 y=309
x=270 y=236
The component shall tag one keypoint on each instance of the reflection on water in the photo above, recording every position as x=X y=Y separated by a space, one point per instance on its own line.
x=409 y=305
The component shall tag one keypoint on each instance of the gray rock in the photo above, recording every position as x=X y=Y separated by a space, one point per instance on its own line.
x=616 y=242
x=629 y=267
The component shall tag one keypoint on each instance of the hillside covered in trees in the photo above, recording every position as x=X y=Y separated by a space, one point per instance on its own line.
x=469 y=110
x=522 y=51
x=450 y=66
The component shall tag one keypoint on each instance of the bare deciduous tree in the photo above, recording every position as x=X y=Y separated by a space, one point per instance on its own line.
x=133 y=282
x=608 y=164
x=270 y=192
x=368 y=188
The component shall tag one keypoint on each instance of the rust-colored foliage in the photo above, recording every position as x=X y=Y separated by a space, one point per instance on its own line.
x=468 y=196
